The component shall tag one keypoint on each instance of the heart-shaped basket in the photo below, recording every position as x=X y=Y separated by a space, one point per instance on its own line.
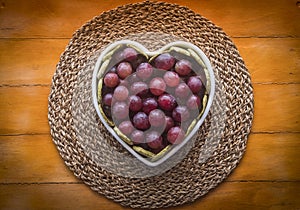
x=185 y=49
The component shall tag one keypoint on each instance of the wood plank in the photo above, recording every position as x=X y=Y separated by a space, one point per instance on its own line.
x=33 y=61
x=61 y=18
x=24 y=109
x=270 y=157
x=276 y=108
x=29 y=61
x=271 y=60
x=260 y=195
x=32 y=158
x=35 y=159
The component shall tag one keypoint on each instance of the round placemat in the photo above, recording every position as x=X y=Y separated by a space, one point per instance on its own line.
x=193 y=177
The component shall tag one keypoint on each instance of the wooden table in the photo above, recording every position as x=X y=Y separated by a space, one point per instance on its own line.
x=34 y=33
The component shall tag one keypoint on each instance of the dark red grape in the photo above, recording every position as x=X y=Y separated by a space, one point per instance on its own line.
x=111 y=80
x=120 y=110
x=182 y=91
x=169 y=123
x=183 y=67
x=154 y=139
x=181 y=114
x=121 y=93
x=139 y=88
x=124 y=69
x=137 y=137
x=175 y=135
x=126 y=127
x=107 y=99
x=157 y=86
x=167 y=102
x=144 y=71
x=135 y=103
x=129 y=54
x=193 y=102
x=157 y=118
x=195 y=84
x=171 y=78
x=140 y=121
x=149 y=104
x=164 y=61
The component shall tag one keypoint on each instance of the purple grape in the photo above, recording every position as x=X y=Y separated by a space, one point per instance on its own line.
x=144 y=71
x=124 y=69
x=193 y=102
x=154 y=140
x=137 y=137
x=120 y=110
x=121 y=93
x=181 y=114
x=149 y=104
x=167 y=102
x=129 y=54
x=139 y=88
x=182 y=91
x=164 y=61
x=126 y=127
x=195 y=84
x=183 y=67
x=157 y=118
x=111 y=80
x=157 y=86
x=171 y=78
x=107 y=99
x=141 y=121
x=135 y=103
x=175 y=135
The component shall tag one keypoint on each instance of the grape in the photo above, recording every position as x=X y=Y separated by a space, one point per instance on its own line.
x=121 y=93
x=124 y=69
x=167 y=102
x=182 y=91
x=175 y=135
x=195 y=84
x=164 y=61
x=111 y=80
x=181 y=114
x=120 y=110
x=135 y=103
x=126 y=127
x=139 y=88
x=141 y=121
x=193 y=102
x=149 y=104
x=107 y=99
x=137 y=137
x=157 y=86
x=154 y=140
x=183 y=67
x=129 y=54
x=144 y=71
x=171 y=78
x=157 y=118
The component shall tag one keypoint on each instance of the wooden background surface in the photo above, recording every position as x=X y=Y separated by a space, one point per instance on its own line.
x=33 y=34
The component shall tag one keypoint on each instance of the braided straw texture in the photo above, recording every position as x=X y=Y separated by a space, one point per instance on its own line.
x=191 y=178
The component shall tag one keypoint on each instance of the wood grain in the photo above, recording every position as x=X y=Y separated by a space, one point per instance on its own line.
x=271 y=157
x=34 y=33
x=55 y=19
x=229 y=195
x=33 y=61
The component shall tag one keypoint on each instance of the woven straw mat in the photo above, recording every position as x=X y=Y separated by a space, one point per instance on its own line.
x=191 y=178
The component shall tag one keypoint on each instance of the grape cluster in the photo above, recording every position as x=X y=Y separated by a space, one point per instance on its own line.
x=152 y=103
